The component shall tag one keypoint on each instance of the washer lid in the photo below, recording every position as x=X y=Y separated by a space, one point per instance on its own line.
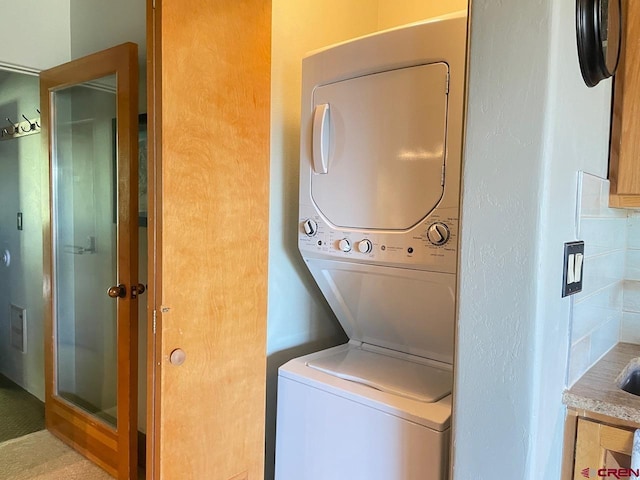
x=416 y=381
x=379 y=147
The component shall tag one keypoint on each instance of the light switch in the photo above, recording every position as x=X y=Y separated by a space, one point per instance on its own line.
x=572 y=268
x=577 y=269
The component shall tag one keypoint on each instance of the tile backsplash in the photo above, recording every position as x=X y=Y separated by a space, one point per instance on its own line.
x=608 y=308
x=630 y=330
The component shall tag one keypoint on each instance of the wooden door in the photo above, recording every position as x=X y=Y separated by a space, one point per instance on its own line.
x=209 y=148
x=89 y=126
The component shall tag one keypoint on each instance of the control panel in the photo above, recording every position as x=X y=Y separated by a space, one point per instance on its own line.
x=430 y=245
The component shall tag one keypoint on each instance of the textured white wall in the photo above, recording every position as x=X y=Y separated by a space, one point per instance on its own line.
x=502 y=172
x=20 y=191
x=532 y=125
x=35 y=36
x=576 y=138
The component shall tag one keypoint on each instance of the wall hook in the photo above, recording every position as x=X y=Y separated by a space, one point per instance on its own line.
x=13 y=128
x=32 y=126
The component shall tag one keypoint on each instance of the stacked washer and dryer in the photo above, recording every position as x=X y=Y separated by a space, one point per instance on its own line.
x=381 y=144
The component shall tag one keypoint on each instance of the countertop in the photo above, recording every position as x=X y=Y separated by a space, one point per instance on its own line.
x=597 y=391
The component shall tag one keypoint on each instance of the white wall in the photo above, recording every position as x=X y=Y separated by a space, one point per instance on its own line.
x=20 y=191
x=36 y=35
x=96 y=25
x=532 y=124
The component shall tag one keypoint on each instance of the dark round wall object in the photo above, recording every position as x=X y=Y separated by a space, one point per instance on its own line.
x=599 y=36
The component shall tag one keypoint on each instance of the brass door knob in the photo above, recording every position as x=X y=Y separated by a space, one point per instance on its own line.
x=137 y=289
x=117 y=291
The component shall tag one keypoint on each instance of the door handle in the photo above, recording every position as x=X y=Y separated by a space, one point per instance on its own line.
x=320 y=139
x=138 y=289
x=117 y=291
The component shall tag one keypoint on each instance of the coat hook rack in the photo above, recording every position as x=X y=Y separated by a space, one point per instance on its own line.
x=20 y=129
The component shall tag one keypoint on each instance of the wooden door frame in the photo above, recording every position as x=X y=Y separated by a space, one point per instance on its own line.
x=115 y=450
x=154 y=232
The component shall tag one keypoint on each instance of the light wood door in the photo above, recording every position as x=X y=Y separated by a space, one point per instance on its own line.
x=601 y=446
x=209 y=136
x=89 y=127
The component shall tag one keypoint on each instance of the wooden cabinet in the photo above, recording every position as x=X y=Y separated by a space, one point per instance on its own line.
x=624 y=163
x=594 y=442
x=601 y=446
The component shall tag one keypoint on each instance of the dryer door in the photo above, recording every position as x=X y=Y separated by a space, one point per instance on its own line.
x=379 y=147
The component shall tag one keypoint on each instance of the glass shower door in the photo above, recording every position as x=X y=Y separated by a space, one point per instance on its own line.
x=90 y=117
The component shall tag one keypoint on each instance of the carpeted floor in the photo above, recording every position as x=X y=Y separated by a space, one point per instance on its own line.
x=20 y=412
x=27 y=451
x=41 y=456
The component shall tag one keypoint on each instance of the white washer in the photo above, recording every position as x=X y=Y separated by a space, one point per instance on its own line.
x=332 y=428
x=381 y=140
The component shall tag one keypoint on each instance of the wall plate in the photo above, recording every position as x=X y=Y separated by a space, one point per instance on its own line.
x=573 y=268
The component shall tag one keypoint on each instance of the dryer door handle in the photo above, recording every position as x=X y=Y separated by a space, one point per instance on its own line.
x=320 y=140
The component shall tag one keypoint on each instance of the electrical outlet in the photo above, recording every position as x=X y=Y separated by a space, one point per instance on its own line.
x=572 y=272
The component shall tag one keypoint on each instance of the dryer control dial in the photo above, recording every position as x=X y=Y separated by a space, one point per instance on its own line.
x=310 y=227
x=344 y=245
x=438 y=233
x=365 y=246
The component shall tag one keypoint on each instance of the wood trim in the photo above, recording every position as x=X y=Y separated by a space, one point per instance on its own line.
x=624 y=174
x=605 y=419
x=588 y=451
x=70 y=424
x=569 y=445
x=94 y=440
x=127 y=129
x=616 y=439
x=154 y=232
x=624 y=201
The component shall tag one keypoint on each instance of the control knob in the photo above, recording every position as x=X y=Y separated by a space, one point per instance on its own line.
x=344 y=245
x=438 y=233
x=365 y=246
x=310 y=227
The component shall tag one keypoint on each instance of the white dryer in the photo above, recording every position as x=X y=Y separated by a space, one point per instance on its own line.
x=381 y=143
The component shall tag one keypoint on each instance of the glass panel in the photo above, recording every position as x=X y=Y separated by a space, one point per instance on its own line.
x=84 y=245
